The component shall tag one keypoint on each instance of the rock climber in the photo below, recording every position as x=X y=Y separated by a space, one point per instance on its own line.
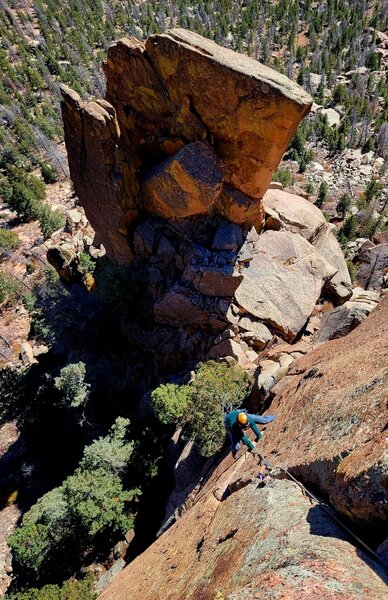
x=237 y=423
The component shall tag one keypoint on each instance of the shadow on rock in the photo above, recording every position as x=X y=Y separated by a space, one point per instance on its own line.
x=322 y=524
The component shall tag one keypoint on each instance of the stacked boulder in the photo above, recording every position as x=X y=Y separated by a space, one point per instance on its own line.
x=172 y=169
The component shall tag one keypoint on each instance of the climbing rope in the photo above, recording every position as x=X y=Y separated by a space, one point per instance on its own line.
x=270 y=467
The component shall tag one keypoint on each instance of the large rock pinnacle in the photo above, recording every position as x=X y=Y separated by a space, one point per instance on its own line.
x=183 y=118
x=172 y=169
x=103 y=172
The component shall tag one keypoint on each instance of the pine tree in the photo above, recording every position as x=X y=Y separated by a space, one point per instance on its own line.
x=322 y=194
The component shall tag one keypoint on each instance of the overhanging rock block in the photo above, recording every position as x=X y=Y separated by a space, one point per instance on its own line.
x=250 y=110
x=186 y=184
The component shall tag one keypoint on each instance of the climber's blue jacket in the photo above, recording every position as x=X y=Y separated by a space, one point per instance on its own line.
x=232 y=425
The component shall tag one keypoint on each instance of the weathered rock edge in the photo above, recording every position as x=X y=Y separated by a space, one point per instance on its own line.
x=267 y=543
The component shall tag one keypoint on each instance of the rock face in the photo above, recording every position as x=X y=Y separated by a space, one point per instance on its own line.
x=250 y=547
x=181 y=115
x=253 y=125
x=333 y=405
x=244 y=535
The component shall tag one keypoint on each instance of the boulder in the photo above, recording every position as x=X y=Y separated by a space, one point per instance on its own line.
x=276 y=185
x=228 y=237
x=230 y=348
x=240 y=208
x=283 y=281
x=97 y=252
x=75 y=220
x=39 y=349
x=293 y=213
x=343 y=319
x=260 y=334
x=340 y=321
x=315 y=80
x=186 y=184
x=340 y=286
x=213 y=281
x=302 y=347
x=181 y=308
x=27 y=354
x=262 y=108
x=372 y=266
x=267 y=376
x=332 y=116
x=297 y=191
x=103 y=173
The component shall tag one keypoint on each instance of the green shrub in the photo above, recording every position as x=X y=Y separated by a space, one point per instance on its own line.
x=24 y=202
x=10 y=289
x=322 y=194
x=171 y=402
x=30 y=268
x=24 y=193
x=348 y=229
x=50 y=220
x=86 y=263
x=8 y=239
x=283 y=176
x=50 y=274
x=70 y=590
x=71 y=384
x=309 y=187
x=343 y=205
x=49 y=174
x=215 y=390
x=88 y=503
x=111 y=453
x=96 y=502
x=352 y=270
x=373 y=190
x=30 y=545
